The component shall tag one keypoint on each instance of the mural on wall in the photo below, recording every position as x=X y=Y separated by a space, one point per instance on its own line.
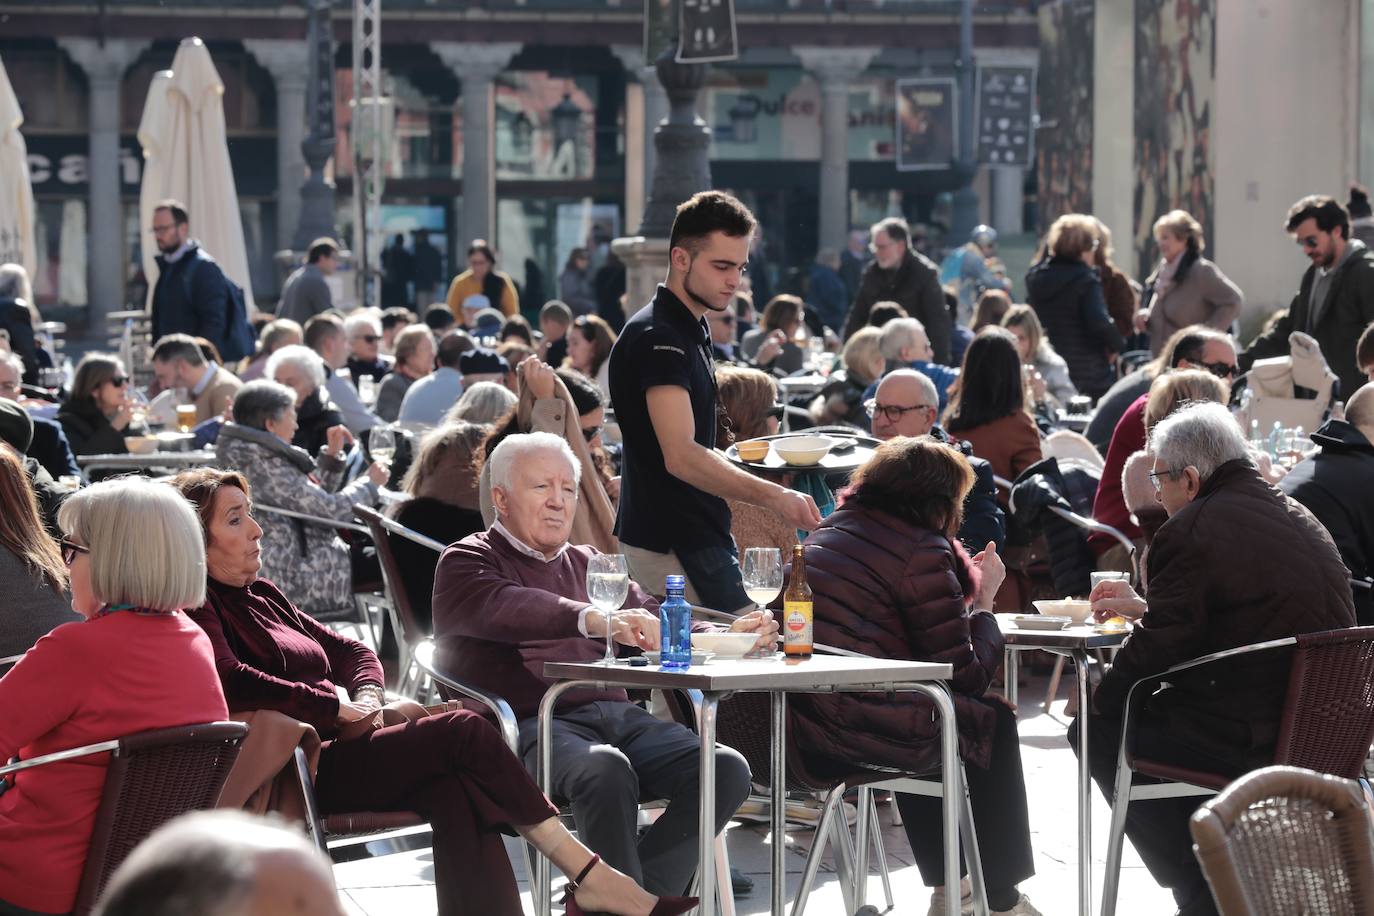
x=1175 y=73
x=1064 y=141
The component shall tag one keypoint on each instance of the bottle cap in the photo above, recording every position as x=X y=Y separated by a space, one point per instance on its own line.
x=675 y=582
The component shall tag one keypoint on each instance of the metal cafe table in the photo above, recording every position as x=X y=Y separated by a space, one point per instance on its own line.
x=1075 y=642
x=777 y=677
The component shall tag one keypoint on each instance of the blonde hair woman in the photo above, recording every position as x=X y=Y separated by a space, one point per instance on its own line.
x=1049 y=378
x=1185 y=287
x=136 y=559
x=748 y=398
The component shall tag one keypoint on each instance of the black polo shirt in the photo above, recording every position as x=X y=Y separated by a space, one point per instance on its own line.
x=664 y=345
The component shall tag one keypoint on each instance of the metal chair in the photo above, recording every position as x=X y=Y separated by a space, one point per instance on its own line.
x=1326 y=725
x=152 y=777
x=409 y=632
x=361 y=600
x=1286 y=840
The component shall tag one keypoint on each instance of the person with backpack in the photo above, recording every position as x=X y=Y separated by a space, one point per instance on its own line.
x=192 y=295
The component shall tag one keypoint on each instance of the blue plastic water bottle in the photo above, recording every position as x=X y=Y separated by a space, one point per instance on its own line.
x=675 y=626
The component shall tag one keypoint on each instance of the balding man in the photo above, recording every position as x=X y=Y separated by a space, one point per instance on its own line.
x=222 y=863
x=1337 y=486
x=905 y=404
x=509 y=599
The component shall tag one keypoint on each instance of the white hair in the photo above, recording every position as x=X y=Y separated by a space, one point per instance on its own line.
x=897 y=335
x=484 y=402
x=928 y=391
x=513 y=448
x=300 y=356
x=362 y=321
x=14 y=361
x=1203 y=436
x=146 y=544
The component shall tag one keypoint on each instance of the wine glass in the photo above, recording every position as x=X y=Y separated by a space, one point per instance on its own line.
x=762 y=572
x=381 y=443
x=608 y=584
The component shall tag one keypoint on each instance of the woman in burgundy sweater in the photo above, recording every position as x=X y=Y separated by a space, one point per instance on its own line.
x=454 y=769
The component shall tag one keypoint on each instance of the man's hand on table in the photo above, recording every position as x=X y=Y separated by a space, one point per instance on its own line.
x=761 y=622
x=1115 y=598
x=631 y=627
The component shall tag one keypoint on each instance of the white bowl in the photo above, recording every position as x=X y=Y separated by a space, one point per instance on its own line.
x=726 y=645
x=803 y=450
x=1076 y=609
x=141 y=445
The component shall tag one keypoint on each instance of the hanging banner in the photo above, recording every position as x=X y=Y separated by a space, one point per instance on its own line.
x=1005 y=115
x=927 y=123
x=707 y=31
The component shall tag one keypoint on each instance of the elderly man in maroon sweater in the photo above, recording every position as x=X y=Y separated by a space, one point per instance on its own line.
x=509 y=599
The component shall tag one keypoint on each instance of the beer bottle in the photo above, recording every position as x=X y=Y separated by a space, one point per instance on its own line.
x=797 y=610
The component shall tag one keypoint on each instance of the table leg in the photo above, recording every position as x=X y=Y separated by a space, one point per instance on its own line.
x=778 y=812
x=706 y=858
x=1011 y=672
x=951 y=785
x=1085 y=817
x=543 y=899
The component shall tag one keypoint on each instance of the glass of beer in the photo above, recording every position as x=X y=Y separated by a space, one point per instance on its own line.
x=186 y=417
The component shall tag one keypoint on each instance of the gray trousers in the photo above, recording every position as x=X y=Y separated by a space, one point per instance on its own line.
x=606 y=757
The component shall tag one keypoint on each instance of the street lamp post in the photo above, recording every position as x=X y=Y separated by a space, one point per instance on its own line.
x=317 y=196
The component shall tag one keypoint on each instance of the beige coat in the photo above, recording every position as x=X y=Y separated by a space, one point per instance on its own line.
x=1206 y=296
x=221 y=389
x=594 y=521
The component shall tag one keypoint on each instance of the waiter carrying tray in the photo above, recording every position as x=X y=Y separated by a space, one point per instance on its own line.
x=673 y=518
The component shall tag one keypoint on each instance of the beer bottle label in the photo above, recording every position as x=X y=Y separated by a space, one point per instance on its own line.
x=797 y=617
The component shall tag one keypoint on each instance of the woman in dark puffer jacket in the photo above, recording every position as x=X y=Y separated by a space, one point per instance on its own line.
x=891 y=580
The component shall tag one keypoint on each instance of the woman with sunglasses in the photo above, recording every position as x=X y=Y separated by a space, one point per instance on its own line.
x=32 y=576
x=99 y=413
x=135 y=558
x=1185 y=288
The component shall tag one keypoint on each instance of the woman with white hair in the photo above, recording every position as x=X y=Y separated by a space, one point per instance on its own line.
x=308 y=561
x=302 y=370
x=136 y=560
x=415 y=350
x=485 y=403
x=364 y=330
x=1185 y=287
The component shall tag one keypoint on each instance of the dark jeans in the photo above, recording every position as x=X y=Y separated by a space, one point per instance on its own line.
x=455 y=770
x=608 y=755
x=1157 y=828
x=1000 y=817
x=714 y=572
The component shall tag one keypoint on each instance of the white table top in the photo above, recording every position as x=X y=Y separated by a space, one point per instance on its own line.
x=802 y=675
x=1072 y=637
x=152 y=460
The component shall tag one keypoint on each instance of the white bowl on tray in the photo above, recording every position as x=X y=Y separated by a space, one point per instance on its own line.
x=802 y=451
x=1076 y=609
x=724 y=644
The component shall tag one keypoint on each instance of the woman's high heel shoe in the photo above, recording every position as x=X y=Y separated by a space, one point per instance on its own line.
x=665 y=906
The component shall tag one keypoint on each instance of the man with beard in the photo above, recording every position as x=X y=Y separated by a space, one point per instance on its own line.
x=191 y=295
x=898 y=274
x=672 y=517
x=1336 y=299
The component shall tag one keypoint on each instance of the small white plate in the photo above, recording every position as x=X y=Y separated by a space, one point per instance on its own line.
x=1039 y=622
x=698 y=657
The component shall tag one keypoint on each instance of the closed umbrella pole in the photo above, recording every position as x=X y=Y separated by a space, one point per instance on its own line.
x=153 y=137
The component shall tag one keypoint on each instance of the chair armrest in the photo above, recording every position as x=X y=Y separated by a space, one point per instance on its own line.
x=312 y=519
x=57 y=756
x=505 y=716
x=11 y=659
x=1093 y=525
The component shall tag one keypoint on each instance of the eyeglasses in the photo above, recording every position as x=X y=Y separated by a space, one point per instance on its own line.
x=1307 y=241
x=891 y=412
x=368 y=338
x=590 y=432
x=1221 y=370
x=158 y=230
x=775 y=412
x=1171 y=473
x=119 y=381
x=70 y=549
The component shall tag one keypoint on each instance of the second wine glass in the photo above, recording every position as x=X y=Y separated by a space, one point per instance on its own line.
x=608 y=584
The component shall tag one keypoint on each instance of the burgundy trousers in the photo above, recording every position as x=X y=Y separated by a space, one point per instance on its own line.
x=454 y=770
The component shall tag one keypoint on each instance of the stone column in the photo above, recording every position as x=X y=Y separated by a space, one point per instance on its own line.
x=476 y=66
x=835 y=69
x=1366 y=93
x=288 y=62
x=104 y=65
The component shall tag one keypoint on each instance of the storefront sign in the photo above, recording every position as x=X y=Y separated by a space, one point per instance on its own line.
x=706 y=31
x=57 y=165
x=927 y=123
x=1005 y=115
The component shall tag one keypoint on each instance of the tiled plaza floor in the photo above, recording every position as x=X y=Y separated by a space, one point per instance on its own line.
x=402 y=884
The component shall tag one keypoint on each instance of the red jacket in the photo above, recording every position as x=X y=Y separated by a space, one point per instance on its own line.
x=1109 y=506
x=887 y=588
x=86 y=682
